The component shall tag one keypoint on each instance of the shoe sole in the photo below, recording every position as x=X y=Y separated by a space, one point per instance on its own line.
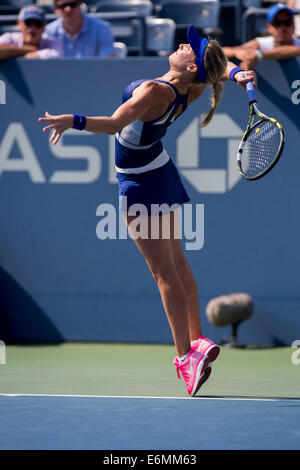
x=201 y=368
x=203 y=378
x=212 y=352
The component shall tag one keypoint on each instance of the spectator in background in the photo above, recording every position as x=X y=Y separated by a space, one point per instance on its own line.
x=280 y=44
x=30 y=42
x=80 y=34
x=295 y=5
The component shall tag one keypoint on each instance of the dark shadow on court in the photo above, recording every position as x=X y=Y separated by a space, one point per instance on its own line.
x=21 y=317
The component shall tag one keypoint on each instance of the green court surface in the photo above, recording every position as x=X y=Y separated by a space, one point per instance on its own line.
x=144 y=370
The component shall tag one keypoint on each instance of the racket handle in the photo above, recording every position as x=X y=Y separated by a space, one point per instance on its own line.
x=251 y=92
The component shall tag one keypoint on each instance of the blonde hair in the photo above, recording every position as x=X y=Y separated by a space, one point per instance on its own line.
x=215 y=63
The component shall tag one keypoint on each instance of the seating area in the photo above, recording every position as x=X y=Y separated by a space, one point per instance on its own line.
x=144 y=27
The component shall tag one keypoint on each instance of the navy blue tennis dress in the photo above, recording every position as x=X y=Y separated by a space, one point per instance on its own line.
x=146 y=174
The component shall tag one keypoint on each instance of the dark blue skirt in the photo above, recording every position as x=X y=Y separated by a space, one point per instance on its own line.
x=162 y=186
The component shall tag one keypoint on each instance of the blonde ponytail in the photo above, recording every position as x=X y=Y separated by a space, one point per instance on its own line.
x=215 y=97
x=215 y=63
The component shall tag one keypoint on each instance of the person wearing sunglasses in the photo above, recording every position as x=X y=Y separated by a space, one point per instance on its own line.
x=280 y=44
x=81 y=34
x=30 y=42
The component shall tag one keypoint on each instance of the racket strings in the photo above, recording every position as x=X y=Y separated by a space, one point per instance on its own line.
x=260 y=148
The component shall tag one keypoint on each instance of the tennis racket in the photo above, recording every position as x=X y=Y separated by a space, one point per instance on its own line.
x=262 y=143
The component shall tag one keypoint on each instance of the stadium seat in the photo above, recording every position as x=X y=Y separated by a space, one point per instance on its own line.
x=143 y=8
x=12 y=7
x=160 y=35
x=121 y=49
x=251 y=3
x=8 y=28
x=204 y=15
x=89 y=4
x=228 y=9
x=132 y=31
x=254 y=23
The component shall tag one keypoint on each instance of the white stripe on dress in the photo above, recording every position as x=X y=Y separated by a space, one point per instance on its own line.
x=129 y=145
x=159 y=161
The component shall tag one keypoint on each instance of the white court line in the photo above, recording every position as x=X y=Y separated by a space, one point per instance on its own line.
x=144 y=397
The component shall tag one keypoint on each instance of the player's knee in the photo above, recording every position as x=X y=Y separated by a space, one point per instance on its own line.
x=165 y=274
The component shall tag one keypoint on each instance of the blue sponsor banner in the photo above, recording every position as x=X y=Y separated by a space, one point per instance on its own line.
x=59 y=281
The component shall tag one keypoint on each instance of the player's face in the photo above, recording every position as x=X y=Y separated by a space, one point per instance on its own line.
x=282 y=27
x=32 y=31
x=182 y=57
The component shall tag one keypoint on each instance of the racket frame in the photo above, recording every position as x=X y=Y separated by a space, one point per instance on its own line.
x=250 y=126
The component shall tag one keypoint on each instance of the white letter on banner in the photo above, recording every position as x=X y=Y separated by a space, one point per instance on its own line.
x=16 y=134
x=83 y=152
x=2 y=353
x=106 y=227
x=189 y=234
x=2 y=92
x=296 y=354
x=296 y=94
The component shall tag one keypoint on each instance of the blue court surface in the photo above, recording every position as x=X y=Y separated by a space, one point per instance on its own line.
x=66 y=422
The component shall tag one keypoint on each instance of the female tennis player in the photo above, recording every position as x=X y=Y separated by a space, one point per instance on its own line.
x=147 y=176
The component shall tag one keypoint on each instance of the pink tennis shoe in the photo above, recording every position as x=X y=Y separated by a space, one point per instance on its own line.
x=205 y=346
x=194 y=369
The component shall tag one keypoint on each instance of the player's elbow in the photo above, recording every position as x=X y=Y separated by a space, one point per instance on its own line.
x=114 y=129
x=115 y=126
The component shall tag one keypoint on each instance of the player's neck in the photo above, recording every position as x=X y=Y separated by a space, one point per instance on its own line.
x=178 y=80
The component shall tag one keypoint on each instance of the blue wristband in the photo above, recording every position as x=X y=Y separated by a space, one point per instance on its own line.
x=79 y=122
x=233 y=72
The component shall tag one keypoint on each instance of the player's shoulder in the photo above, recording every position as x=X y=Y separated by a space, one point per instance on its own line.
x=160 y=89
x=154 y=88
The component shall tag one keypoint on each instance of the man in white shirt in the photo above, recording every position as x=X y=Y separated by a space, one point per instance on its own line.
x=30 y=41
x=281 y=44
